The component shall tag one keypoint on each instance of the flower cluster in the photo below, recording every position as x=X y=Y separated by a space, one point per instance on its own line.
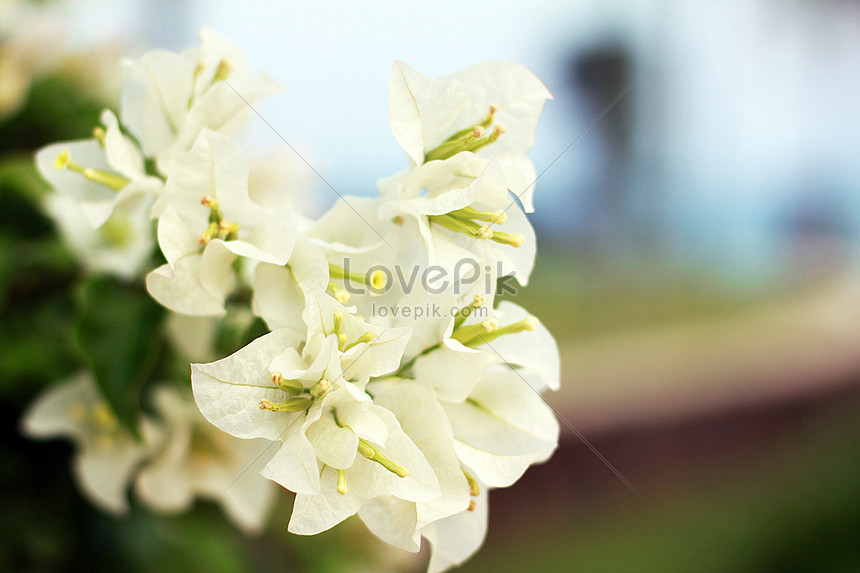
x=404 y=418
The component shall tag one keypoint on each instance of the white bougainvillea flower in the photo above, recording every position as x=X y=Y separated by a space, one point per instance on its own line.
x=107 y=454
x=436 y=119
x=206 y=220
x=168 y=99
x=122 y=246
x=336 y=448
x=196 y=459
x=101 y=173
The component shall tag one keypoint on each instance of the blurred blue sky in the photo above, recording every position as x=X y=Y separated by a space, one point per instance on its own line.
x=737 y=136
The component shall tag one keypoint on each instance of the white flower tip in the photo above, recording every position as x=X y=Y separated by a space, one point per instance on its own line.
x=485 y=232
x=490 y=324
x=530 y=323
x=479 y=300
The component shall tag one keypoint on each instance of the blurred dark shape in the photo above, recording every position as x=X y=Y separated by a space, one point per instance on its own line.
x=599 y=75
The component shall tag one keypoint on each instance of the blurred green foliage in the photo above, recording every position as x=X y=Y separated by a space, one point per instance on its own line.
x=54 y=320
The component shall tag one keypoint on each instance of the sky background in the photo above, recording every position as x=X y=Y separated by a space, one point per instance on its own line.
x=738 y=130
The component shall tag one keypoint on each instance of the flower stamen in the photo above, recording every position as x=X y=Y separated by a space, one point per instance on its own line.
x=371 y=453
x=110 y=180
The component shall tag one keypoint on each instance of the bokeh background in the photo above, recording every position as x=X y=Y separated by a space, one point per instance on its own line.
x=698 y=215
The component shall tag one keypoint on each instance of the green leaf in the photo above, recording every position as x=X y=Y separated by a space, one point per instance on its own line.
x=121 y=337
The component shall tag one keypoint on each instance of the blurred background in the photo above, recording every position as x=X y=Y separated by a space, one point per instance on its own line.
x=698 y=216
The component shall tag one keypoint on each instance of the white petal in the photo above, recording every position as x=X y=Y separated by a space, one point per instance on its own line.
x=452 y=371
x=104 y=470
x=496 y=470
x=228 y=391
x=335 y=446
x=392 y=520
x=179 y=289
x=175 y=238
x=428 y=427
x=503 y=415
x=278 y=299
x=455 y=539
x=535 y=351
x=122 y=154
x=52 y=413
x=155 y=98
x=314 y=514
x=294 y=465
x=165 y=484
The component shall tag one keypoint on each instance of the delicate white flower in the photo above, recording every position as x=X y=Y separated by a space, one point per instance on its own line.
x=436 y=119
x=107 y=453
x=207 y=220
x=122 y=246
x=313 y=403
x=197 y=459
x=100 y=174
x=168 y=99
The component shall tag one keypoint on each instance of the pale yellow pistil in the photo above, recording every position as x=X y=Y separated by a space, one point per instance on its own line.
x=221 y=74
x=467 y=227
x=366 y=337
x=371 y=453
x=465 y=312
x=110 y=180
x=368 y=451
x=100 y=419
x=474 y=488
x=99 y=134
x=340 y=294
x=341 y=482
x=218 y=228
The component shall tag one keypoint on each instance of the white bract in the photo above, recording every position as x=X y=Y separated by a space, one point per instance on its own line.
x=424 y=115
x=206 y=219
x=194 y=458
x=107 y=454
x=168 y=99
x=122 y=246
x=100 y=174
